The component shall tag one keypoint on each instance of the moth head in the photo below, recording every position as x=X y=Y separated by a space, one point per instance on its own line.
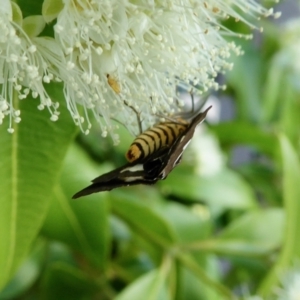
x=133 y=153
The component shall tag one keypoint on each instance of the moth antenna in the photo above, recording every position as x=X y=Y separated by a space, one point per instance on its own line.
x=181 y=118
x=175 y=119
x=195 y=108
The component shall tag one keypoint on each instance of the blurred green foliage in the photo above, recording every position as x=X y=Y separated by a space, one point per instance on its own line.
x=192 y=236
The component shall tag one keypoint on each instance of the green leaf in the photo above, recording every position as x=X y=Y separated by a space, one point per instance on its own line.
x=82 y=223
x=189 y=223
x=30 y=7
x=191 y=263
x=17 y=13
x=64 y=281
x=246 y=80
x=262 y=177
x=290 y=115
x=236 y=132
x=51 y=9
x=190 y=285
x=220 y=191
x=273 y=92
x=250 y=234
x=150 y=286
x=31 y=159
x=290 y=251
x=33 y=25
x=27 y=273
x=143 y=220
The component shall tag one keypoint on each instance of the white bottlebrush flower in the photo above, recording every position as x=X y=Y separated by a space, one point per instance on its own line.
x=75 y=87
x=132 y=55
x=23 y=70
x=123 y=60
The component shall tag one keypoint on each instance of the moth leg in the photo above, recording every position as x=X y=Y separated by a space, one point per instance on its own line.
x=196 y=106
x=137 y=116
x=113 y=83
x=193 y=101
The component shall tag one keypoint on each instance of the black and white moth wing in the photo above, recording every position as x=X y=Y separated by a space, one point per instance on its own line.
x=173 y=157
x=135 y=173
x=124 y=176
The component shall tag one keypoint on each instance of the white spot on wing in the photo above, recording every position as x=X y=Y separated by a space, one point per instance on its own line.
x=186 y=145
x=135 y=168
x=130 y=179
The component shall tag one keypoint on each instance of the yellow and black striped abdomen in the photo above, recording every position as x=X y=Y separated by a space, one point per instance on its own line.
x=153 y=139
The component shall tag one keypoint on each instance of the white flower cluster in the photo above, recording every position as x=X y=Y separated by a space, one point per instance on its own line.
x=22 y=72
x=123 y=60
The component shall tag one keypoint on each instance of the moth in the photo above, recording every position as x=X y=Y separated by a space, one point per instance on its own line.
x=152 y=156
